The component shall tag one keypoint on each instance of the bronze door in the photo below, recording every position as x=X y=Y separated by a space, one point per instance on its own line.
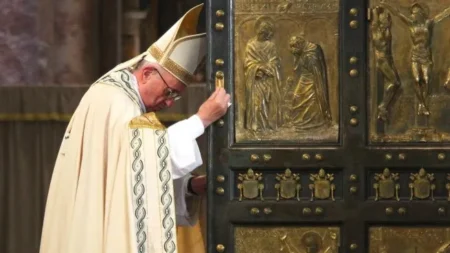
x=337 y=137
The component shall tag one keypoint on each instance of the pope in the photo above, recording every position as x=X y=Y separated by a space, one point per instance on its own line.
x=122 y=181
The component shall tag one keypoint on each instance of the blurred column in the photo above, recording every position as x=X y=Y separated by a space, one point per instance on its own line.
x=134 y=14
x=76 y=41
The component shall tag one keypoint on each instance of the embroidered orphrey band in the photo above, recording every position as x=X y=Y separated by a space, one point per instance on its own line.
x=165 y=177
x=139 y=192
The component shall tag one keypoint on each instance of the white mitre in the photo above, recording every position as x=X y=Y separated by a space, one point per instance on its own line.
x=181 y=50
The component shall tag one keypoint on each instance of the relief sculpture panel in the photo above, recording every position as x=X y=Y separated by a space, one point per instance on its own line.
x=409 y=184
x=286 y=71
x=287 y=239
x=409 y=71
x=409 y=240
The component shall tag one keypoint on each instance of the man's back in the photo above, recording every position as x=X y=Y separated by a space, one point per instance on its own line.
x=88 y=175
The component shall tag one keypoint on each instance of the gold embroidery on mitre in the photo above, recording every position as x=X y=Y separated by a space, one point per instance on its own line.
x=175 y=69
x=148 y=120
x=155 y=52
x=179 y=72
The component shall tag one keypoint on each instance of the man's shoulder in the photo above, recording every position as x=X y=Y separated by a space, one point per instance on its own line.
x=147 y=120
x=107 y=94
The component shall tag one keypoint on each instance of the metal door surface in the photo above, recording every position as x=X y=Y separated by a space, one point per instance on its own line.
x=337 y=137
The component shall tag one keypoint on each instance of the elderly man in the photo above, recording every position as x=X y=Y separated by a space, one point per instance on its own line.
x=121 y=181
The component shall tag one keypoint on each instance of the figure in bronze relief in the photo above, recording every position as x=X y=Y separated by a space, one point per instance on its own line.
x=382 y=43
x=262 y=79
x=310 y=106
x=421 y=28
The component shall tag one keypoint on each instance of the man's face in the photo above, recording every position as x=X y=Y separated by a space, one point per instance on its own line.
x=417 y=14
x=265 y=32
x=295 y=46
x=385 y=20
x=158 y=88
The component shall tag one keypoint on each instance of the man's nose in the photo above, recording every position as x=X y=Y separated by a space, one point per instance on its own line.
x=169 y=102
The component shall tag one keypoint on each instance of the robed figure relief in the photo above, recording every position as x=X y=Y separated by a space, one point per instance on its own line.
x=310 y=108
x=382 y=43
x=421 y=29
x=262 y=79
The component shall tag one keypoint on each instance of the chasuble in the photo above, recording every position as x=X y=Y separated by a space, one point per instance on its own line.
x=120 y=179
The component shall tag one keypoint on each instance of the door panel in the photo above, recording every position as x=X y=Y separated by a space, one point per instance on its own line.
x=304 y=161
x=286 y=239
x=408 y=68
x=407 y=239
x=264 y=31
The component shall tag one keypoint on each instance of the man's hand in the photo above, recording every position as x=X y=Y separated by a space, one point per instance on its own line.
x=215 y=107
x=198 y=185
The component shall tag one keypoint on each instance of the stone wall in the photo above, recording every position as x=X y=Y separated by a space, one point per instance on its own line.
x=48 y=42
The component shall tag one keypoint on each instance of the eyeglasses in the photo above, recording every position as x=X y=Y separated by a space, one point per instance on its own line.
x=170 y=93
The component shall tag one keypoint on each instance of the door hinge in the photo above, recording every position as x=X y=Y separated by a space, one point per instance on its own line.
x=369 y=14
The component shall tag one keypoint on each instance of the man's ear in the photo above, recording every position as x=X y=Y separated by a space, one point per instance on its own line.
x=147 y=71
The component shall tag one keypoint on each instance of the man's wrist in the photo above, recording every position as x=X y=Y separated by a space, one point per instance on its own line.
x=204 y=122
